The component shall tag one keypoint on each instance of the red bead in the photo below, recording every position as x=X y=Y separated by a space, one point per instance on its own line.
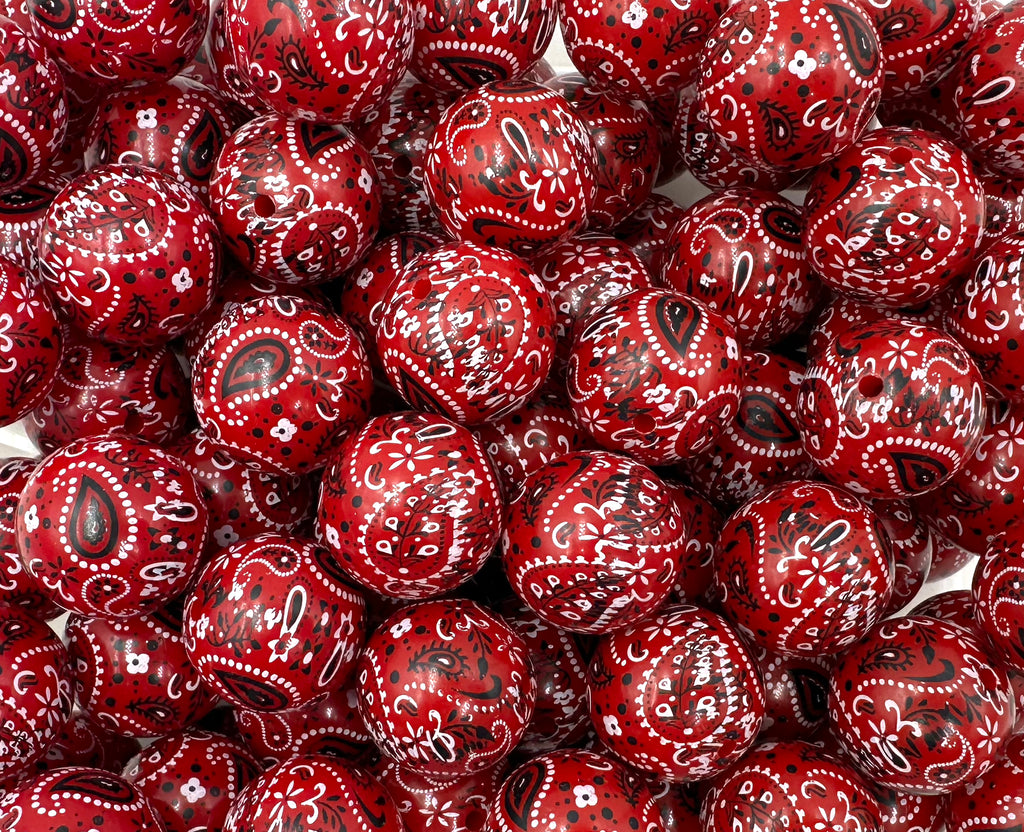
x=582 y=274
x=761 y=446
x=103 y=388
x=410 y=506
x=462 y=44
x=789 y=84
x=243 y=502
x=998 y=594
x=625 y=139
x=655 y=374
x=573 y=791
x=298 y=203
x=954 y=606
x=427 y=804
x=21 y=217
x=678 y=695
x=273 y=624
x=35 y=691
x=112 y=526
x=989 y=122
x=83 y=743
x=192 y=778
x=511 y=165
x=796 y=694
x=330 y=725
x=34 y=107
x=31 y=343
x=73 y=798
x=703 y=522
x=805 y=569
x=132 y=676
x=919 y=707
x=647 y=229
x=895 y=218
x=467 y=331
x=902 y=812
x=618 y=535
x=130 y=255
x=913 y=545
x=948 y=559
x=332 y=62
x=281 y=382
x=18 y=587
x=891 y=408
x=993 y=802
x=446 y=687
x=790 y=785
x=741 y=252
x=641 y=50
x=176 y=127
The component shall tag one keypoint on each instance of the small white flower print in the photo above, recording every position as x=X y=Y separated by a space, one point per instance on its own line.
x=276 y=183
x=401 y=628
x=193 y=790
x=585 y=796
x=7 y=80
x=365 y=180
x=236 y=592
x=181 y=281
x=802 y=65
x=225 y=535
x=611 y=725
x=283 y=430
x=146 y=118
x=635 y=15
x=137 y=663
x=31 y=520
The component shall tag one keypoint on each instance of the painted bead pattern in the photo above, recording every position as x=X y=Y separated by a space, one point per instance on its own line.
x=891 y=408
x=281 y=382
x=21 y=217
x=908 y=679
x=655 y=374
x=913 y=546
x=511 y=165
x=593 y=542
x=804 y=569
x=678 y=695
x=992 y=803
x=295 y=638
x=112 y=526
x=17 y=585
x=998 y=594
x=795 y=693
x=467 y=331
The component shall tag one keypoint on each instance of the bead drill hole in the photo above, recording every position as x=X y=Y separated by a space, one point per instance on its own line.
x=644 y=423
x=421 y=288
x=870 y=386
x=264 y=206
x=402 y=166
x=902 y=155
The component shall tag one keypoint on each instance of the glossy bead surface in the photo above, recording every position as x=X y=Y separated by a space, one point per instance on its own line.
x=741 y=252
x=998 y=595
x=112 y=526
x=995 y=801
x=804 y=569
x=281 y=382
x=790 y=83
x=410 y=506
x=467 y=331
x=293 y=638
x=619 y=537
x=891 y=408
x=655 y=374
x=17 y=585
x=913 y=546
x=298 y=202
x=678 y=695
x=21 y=216
x=130 y=255
x=511 y=165
x=796 y=694
x=894 y=219
x=446 y=687
x=919 y=707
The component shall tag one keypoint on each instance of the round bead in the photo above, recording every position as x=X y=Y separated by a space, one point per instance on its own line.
x=995 y=801
x=998 y=594
x=18 y=587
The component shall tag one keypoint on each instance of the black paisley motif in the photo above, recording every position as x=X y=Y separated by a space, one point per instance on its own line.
x=780 y=124
x=55 y=14
x=14 y=162
x=761 y=418
x=677 y=322
x=860 y=41
x=258 y=365
x=472 y=72
x=96 y=784
x=255 y=694
x=93 y=530
x=521 y=792
x=199 y=151
x=783 y=224
x=917 y=472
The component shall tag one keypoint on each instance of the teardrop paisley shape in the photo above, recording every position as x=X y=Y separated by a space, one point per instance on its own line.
x=256 y=366
x=93 y=530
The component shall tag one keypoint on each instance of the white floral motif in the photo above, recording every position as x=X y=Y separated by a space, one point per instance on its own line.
x=365 y=180
x=193 y=790
x=137 y=663
x=585 y=796
x=146 y=118
x=401 y=628
x=225 y=535
x=611 y=725
x=283 y=430
x=31 y=519
x=7 y=80
x=899 y=353
x=635 y=15
x=181 y=281
x=802 y=65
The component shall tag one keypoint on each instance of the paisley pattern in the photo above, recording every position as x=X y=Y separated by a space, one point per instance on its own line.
x=112 y=526
x=919 y=707
x=998 y=593
x=410 y=506
x=804 y=569
x=992 y=802
x=678 y=696
x=593 y=542
x=446 y=688
x=294 y=639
